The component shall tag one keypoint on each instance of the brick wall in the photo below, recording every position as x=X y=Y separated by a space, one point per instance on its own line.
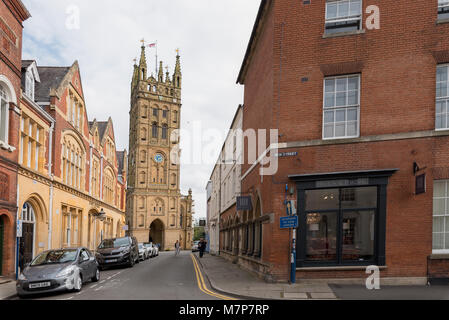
x=397 y=65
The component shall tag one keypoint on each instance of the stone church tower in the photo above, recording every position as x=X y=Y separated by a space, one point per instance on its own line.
x=156 y=210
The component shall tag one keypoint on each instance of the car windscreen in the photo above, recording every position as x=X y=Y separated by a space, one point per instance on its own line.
x=55 y=257
x=140 y=246
x=114 y=243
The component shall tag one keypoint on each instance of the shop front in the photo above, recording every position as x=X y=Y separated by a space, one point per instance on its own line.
x=342 y=218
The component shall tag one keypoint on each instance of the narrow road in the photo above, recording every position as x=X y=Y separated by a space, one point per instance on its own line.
x=166 y=277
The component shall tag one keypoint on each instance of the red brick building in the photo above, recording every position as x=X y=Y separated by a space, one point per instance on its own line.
x=363 y=118
x=12 y=14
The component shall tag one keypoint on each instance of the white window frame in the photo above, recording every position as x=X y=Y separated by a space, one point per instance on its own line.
x=341 y=107
x=445 y=215
x=4 y=97
x=350 y=17
x=29 y=84
x=446 y=98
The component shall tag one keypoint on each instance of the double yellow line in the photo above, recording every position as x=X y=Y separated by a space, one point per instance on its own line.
x=202 y=285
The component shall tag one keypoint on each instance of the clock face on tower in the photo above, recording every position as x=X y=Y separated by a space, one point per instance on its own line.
x=159 y=158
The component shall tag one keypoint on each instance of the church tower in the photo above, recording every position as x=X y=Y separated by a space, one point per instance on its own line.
x=156 y=210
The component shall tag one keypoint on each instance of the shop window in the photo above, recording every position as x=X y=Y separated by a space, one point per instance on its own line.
x=443 y=9
x=342 y=219
x=343 y=213
x=343 y=16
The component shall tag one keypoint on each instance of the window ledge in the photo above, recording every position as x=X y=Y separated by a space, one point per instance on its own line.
x=442 y=21
x=342 y=34
x=439 y=256
x=5 y=146
x=337 y=268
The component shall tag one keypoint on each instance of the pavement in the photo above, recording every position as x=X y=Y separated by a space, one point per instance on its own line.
x=229 y=278
x=7 y=288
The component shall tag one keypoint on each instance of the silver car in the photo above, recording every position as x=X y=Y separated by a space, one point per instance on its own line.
x=58 y=270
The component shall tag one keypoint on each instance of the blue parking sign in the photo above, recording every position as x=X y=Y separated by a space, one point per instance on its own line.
x=289 y=222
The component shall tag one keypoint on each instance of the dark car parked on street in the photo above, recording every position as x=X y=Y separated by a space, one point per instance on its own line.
x=118 y=251
x=58 y=270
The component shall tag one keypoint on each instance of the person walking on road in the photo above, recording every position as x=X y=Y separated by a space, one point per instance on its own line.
x=177 y=248
x=202 y=247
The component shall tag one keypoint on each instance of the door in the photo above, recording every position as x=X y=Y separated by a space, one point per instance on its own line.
x=26 y=243
x=85 y=265
x=1 y=244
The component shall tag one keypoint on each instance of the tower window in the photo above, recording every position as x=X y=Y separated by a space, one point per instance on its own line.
x=155 y=112
x=164 y=132
x=154 y=130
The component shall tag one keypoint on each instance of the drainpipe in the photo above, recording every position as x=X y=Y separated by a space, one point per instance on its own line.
x=90 y=169
x=50 y=174
x=101 y=178
x=17 y=239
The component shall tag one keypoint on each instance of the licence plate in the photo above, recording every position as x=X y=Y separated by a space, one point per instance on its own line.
x=40 y=285
x=112 y=260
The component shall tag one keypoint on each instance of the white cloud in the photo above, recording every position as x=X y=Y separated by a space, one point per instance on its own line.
x=212 y=36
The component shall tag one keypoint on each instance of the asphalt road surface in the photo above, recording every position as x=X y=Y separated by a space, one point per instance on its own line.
x=166 y=277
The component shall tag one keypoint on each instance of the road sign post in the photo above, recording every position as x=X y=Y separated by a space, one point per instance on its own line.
x=19 y=227
x=291 y=222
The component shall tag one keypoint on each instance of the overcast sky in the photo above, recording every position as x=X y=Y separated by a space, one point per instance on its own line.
x=212 y=36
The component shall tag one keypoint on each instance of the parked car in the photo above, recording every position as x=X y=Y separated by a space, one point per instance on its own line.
x=195 y=246
x=58 y=270
x=154 y=249
x=118 y=251
x=144 y=252
x=150 y=247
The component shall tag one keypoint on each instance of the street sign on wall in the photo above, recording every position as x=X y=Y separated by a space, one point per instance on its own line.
x=244 y=203
x=289 y=222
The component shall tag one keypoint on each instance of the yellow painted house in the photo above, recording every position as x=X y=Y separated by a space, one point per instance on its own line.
x=72 y=180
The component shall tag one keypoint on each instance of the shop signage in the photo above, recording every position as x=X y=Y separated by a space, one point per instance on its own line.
x=289 y=222
x=420 y=185
x=244 y=203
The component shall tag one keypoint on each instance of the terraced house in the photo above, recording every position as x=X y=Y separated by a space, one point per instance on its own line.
x=71 y=179
x=362 y=111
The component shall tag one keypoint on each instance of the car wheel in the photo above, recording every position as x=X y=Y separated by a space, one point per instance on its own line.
x=78 y=283
x=96 y=277
x=138 y=259
x=131 y=262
